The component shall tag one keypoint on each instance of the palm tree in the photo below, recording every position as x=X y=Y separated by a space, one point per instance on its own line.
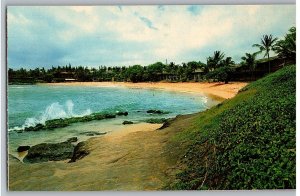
x=214 y=61
x=267 y=44
x=222 y=67
x=227 y=62
x=286 y=48
x=249 y=60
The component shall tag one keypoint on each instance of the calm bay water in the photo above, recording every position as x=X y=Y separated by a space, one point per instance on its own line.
x=32 y=104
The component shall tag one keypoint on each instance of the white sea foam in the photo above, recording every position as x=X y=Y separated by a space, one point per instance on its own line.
x=204 y=99
x=53 y=111
x=17 y=87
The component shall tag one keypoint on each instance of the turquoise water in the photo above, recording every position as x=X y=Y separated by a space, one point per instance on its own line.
x=32 y=104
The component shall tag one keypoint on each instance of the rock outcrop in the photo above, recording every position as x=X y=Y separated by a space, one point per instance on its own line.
x=80 y=151
x=49 y=152
x=126 y=122
x=23 y=148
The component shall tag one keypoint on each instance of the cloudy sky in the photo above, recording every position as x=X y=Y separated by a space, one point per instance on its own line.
x=128 y=35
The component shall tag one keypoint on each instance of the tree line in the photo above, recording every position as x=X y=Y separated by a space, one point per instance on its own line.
x=218 y=67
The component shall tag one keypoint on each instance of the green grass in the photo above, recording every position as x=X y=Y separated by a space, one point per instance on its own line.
x=248 y=142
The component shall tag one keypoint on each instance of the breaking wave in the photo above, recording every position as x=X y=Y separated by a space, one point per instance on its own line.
x=53 y=111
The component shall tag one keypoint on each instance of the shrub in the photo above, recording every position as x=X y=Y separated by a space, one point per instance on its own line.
x=247 y=142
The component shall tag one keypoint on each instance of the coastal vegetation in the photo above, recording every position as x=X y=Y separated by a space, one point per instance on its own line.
x=247 y=142
x=267 y=45
x=217 y=67
x=249 y=60
x=286 y=48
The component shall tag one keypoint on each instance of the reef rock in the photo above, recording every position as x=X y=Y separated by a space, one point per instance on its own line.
x=80 y=151
x=49 y=152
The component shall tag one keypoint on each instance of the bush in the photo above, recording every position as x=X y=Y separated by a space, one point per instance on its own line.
x=221 y=74
x=247 y=142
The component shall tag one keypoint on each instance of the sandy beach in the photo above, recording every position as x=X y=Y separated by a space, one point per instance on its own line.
x=135 y=157
x=214 y=89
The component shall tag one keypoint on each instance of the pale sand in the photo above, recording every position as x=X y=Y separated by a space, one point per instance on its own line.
x=136 y=157
x=213 y=89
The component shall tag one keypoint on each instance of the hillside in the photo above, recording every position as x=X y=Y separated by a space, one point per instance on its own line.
x=248 y=142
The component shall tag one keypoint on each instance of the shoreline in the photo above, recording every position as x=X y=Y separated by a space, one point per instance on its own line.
x=108 y=160
x=140 y=148
x=215 y=90
x=134 y=158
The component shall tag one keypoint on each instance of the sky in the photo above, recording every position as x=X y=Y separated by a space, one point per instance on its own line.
x=45 y=36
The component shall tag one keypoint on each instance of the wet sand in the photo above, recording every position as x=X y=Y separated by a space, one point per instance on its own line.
x=136 y=157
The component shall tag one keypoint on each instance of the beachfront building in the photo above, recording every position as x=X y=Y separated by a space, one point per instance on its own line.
x=243 y=73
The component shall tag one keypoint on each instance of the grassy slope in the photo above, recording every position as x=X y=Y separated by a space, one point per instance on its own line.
x=248 y=142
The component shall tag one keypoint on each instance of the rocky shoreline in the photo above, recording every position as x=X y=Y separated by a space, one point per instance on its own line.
x=44 y=152
x=71 y=149
x=64 y=122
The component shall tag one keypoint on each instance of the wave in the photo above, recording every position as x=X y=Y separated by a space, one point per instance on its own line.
x=53 y=111
x=18 y=87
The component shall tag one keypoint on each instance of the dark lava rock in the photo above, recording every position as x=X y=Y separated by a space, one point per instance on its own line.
x=80 y=151
x=127 y=122
x=165 y=125
x=156 y=112
x=169 y=122
x=156 y=120
x=92 y=133
x=35 y=128
x=122 y=113
x=23 y=148
x=72 y=139
x=49 y=152
x=109 y=116
x=56 y=123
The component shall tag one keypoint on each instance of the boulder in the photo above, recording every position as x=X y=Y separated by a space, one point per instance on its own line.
x=156 y=112
x=72 y=139
x=122 y=113
x=56 y=123
x=49 y=152
x=92 y=133
x=165 y=125
x=23 y=148
x=127 y=122
x=80 y=151
x=156 y=120
x=109 y=116
x=37 y=127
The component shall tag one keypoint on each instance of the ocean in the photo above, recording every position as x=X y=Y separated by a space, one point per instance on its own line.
x=29 y=105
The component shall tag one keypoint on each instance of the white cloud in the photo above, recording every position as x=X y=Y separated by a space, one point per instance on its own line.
x=170 y=33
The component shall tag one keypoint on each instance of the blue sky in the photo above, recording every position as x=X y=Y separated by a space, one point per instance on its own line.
x=127 y=35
